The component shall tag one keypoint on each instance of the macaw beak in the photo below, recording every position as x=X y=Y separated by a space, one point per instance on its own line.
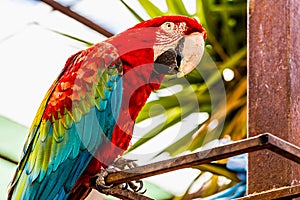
x=192 y=52
x=182 y=59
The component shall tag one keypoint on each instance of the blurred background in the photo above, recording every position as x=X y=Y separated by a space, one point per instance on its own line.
x=205 y=109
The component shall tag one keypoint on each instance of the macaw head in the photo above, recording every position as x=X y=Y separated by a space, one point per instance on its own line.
x=179 y=44
x=175 y=44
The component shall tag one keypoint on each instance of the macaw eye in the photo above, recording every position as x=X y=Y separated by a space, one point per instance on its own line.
x=167 y=26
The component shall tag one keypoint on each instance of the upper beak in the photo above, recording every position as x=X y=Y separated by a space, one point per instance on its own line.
x=192 y=52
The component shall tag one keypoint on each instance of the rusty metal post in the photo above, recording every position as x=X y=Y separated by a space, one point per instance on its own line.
x=274 y=88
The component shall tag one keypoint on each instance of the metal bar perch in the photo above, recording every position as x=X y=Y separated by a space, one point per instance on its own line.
x=263 y=141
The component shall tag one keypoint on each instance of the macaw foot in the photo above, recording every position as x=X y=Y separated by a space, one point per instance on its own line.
x=118 y=165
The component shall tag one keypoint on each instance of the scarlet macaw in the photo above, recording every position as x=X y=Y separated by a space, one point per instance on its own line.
x=87 y=116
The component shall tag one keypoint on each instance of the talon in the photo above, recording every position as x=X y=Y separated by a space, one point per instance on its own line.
x=119 y=164
x=137 y=188
x=143 y=192
x=123 y=163
x=100 y=181
x=140 y=187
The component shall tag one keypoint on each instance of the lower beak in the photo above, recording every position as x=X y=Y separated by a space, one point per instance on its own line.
x=191 y=53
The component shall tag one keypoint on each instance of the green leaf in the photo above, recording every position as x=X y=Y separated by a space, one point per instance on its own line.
x=199 y=137
x=180 y=145
x=73 y=37
x=157 y=107
x=218 y=169
x=132 y=11
x=173 y=116
x=13 y=136
x=235 y=59
x=200 y=8
x=187 y=97
x=176 y=7
x=211 y=187
x=156 y=192
x=151 y=9
x=234 y=8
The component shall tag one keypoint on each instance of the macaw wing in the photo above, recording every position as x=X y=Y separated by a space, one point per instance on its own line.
x=78 y=112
